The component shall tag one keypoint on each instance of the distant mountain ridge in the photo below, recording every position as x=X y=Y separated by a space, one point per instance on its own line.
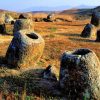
x=81 y=11
x=32 y=9
x=75 y=10
x=58 y=8
x=84 y=7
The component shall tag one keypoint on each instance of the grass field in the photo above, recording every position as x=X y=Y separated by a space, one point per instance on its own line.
x=59 y=37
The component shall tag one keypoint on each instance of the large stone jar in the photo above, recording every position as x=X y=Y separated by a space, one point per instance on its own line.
x=98 y=36
x=89 y=31
x=25 y=49
x=80 y=75
x=95 y=20
x=50 y=18
x=23 y=24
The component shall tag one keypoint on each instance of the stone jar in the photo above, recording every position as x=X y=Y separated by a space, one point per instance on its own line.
x=98 y=36
x=50 y=18
x=80 y=74
x=89 y=31
x=25 y=16
x=25 y=49
x=21 y=24
x=95 y=20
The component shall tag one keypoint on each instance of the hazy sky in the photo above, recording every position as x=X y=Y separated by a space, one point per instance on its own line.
x=16 y=5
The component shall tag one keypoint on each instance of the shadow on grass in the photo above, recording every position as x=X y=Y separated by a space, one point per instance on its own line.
x=3 y=63
x=72 y=24
x=81 y=40
x=69 y=34
x=76 y=24
x=32 y=82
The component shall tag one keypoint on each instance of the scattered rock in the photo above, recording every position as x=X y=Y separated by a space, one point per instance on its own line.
x=23 y=24
x=98 y=36
x=25 y=49
x=89 y=31
x=80 y=74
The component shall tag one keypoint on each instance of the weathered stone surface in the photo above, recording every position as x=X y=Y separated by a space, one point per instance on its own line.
x=98 y=36
x=23 y=24
x=8 y=18
x=2 y=18
x=95 y=20
x=80 y=74
x=89 y=31
x=25 y=49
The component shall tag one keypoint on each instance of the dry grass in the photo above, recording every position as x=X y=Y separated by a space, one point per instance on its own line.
x=59 y=37
x=39 y=15
x=65 y=37
x=56 y=16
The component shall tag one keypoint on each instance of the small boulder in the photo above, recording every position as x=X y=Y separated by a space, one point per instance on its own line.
x=23 y=24
x=25 y=49
x=80 y=74
x=89 y=31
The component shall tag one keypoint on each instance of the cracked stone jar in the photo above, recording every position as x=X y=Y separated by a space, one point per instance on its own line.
x=25 y=49
x=80 y=74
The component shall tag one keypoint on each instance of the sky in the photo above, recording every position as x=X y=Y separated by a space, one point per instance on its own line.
x=18 y=5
